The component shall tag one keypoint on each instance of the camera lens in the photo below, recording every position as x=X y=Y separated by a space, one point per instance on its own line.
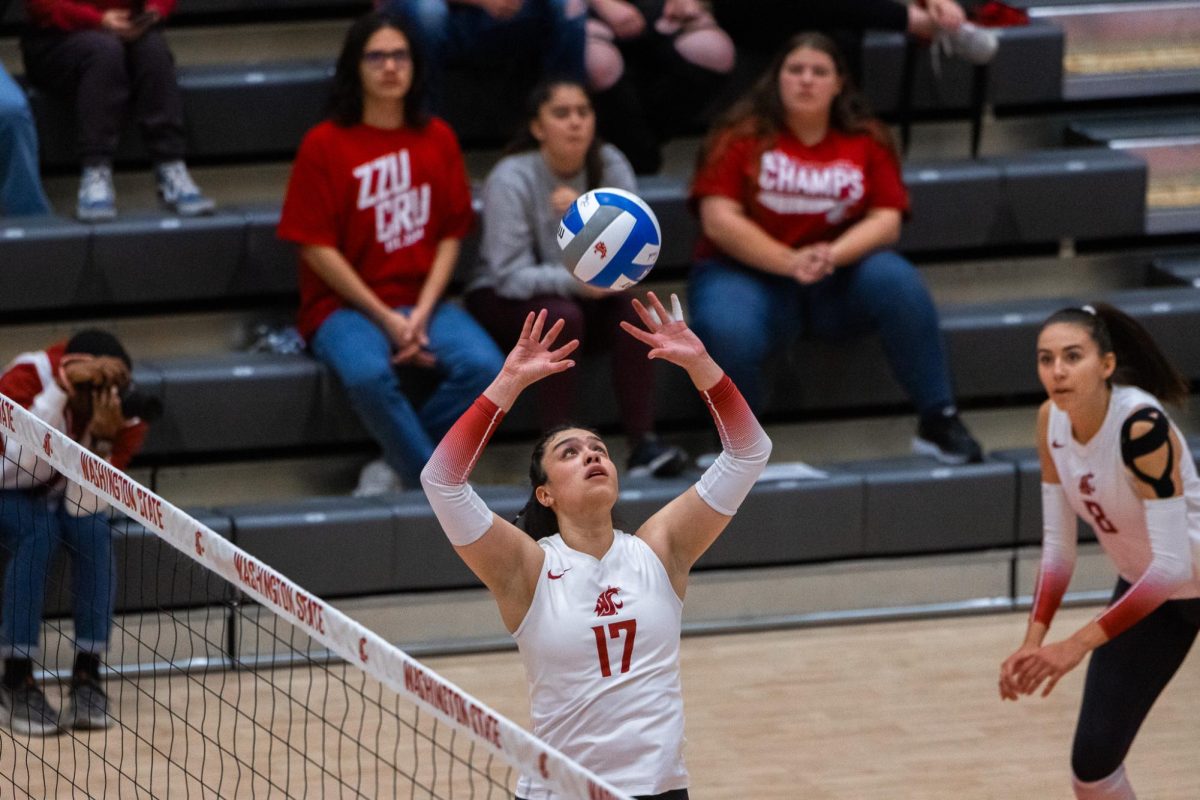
x=135 y=403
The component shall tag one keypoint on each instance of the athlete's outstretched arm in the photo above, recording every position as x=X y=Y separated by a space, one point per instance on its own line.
x=688 y=525
x=499 y=553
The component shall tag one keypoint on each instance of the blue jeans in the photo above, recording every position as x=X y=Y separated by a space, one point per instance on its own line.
x=457 y=31
x=20 y=185
x=743 y=315
x=31 y=527
x=360 y=354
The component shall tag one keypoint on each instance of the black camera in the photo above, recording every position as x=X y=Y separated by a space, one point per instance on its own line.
x=136 y=403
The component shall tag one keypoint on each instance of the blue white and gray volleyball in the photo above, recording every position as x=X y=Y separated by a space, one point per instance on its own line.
x=610 y=238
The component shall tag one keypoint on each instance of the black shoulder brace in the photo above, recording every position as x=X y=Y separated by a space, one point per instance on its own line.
x=1150 y=441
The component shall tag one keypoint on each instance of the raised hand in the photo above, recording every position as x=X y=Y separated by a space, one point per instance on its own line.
x=534 y=356
x=666 y=333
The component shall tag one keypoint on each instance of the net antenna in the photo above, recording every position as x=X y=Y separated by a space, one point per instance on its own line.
x=198 y=712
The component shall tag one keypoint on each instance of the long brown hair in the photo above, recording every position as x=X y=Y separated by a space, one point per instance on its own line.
x=524 y=141
x=1140 y=361
x=760 y=112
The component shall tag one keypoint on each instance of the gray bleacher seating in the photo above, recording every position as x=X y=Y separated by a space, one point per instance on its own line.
x=178 y=258
x=43 y=263
x=237 y=402
x=955 y=205
x=1049 y=194
x=151 y=574
x=902 y=494
x=1178 y=270
x=289 y=97
x=1027 y=71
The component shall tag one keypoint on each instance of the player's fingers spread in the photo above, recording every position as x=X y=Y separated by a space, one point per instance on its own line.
x=658 y=307
x=644 y=314
x=637 y=333
x=566 y=349
x=538 y=323
x=554 y=331
x=527 y=328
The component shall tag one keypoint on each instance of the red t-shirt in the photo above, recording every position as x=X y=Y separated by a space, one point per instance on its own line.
x=800 y=194
x=384 y=198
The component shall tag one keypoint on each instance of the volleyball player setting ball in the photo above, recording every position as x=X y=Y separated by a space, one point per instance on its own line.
x=1110 y=454
x=596 y=611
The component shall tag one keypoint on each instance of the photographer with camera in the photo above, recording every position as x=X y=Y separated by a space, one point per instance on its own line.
x=83 y=388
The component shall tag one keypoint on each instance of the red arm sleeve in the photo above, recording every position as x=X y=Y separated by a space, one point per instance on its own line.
x=462 y=445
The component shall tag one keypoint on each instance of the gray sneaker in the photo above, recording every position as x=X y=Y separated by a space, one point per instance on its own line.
x=26 y=710
x=87 y=707
x=377 y=478
x=179 y=193
x=97 y=200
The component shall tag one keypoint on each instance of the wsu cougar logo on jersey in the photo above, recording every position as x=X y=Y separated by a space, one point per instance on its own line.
x=1086 y=486
x=606 y=606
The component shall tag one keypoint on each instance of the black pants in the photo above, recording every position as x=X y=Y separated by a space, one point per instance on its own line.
x=107 y=77
x=1125 y=677
x=660 y=95
x=767 y=24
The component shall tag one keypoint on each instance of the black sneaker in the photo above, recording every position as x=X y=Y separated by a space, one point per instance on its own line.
x=87 y=707
x=26 y=710
x=652 y=457
x=944 y=437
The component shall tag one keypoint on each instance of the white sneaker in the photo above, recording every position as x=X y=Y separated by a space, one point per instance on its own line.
x=970 y=42
x=179 y=193
x=97 y=199
x=377 y=478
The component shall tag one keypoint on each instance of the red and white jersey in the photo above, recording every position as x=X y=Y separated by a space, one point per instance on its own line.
x=1100 y=489
x=29 y=382
x=600 y=645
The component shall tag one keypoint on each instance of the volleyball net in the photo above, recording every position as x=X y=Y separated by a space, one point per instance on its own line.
x=223 y=677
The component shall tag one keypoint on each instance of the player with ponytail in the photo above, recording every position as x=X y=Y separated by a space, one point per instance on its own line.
x=596 y=612
x=1110 y=455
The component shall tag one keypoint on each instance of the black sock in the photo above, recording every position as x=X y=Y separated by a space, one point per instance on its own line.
x=17 y=671
x=87 y=664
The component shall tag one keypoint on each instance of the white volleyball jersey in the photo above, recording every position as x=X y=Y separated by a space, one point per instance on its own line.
x=601 y=651
x=1100 y=489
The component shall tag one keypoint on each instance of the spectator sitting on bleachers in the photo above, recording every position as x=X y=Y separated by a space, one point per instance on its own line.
x=492 y=31
x=766 y=24
x=20 y=185
x=378 y=201
x=80 y=388
x=553 y=161
x=800 y=195
x=653 y=64
x=110 y=56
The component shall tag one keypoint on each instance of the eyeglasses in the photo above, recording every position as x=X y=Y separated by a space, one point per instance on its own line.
x=377 y=59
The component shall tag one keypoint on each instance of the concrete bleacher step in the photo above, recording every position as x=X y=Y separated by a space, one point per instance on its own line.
x=1169 y=142
x=1130 y=49
x=1004 y=200
x=283 y=71
x=240 y=402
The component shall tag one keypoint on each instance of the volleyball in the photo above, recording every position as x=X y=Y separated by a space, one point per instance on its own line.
x=609 y=238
